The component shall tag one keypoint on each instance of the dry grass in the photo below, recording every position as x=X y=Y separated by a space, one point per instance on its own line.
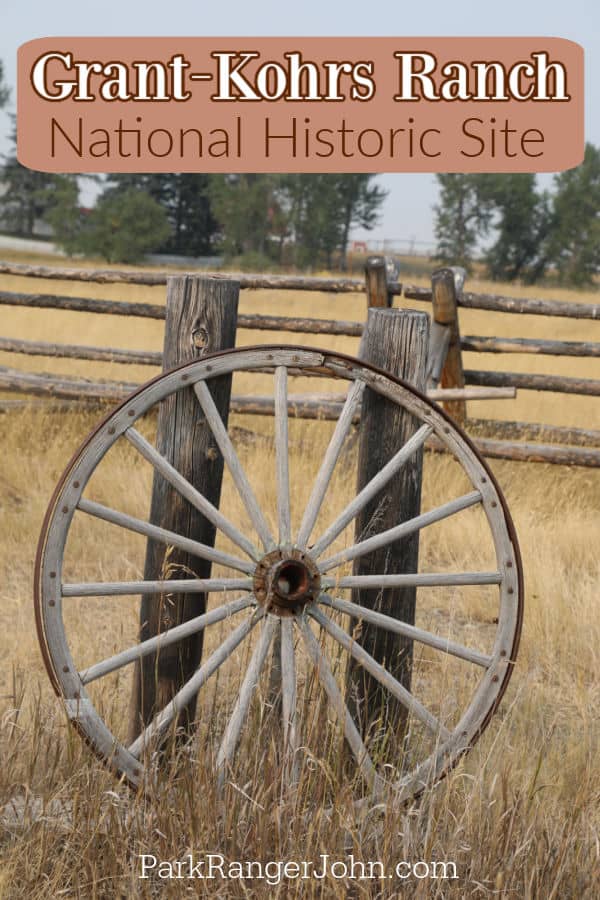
x=519 y=817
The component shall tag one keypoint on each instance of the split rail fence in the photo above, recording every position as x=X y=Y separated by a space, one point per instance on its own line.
x=448 y=381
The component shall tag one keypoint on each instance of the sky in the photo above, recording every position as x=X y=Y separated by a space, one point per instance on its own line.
x=407 y=214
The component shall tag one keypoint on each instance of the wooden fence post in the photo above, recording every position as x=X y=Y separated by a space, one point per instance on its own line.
x=445 y=359
x=395 y=340
x=376 y=282
x=201 y=317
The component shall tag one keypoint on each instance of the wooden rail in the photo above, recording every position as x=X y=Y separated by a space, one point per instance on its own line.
x=471 y=384
x=66 y=387
x=522 y=305
x=300 y=406
x=115 y=276
x=155 y=311
x=529 y=381
x=534 y=431
x=479 y=344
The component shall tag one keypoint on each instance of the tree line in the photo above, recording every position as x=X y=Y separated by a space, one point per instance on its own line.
x=506 y=221
x=530 y=233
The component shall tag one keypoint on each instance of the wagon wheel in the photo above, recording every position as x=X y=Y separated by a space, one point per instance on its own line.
x=291 y=585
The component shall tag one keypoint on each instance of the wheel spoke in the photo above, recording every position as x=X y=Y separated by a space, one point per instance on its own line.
x=382 y=675
x=164 y=639
x=327 y=679
x=233 y=464
x=234 y=726
x=190 y=493
x=282 y=455
x=195 y=548
x=288 y=698
x=191 y=687
x=177 y=586
x=410 y=631
x=426 y=579
x=400 y=531
x=372 y=488
x=332 y=453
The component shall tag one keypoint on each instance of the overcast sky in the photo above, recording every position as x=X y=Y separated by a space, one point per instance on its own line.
x=407 y=213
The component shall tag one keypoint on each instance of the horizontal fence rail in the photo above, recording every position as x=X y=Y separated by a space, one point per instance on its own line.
x=65 y=387
x=559 y=384
x=523 y=305
x=480 y=344
x=151 y=279
x=473 y=384
x=299 y=406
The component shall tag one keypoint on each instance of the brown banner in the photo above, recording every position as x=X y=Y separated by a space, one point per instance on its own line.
x=300 y=104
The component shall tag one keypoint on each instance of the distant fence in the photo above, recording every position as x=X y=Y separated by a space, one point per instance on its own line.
x=448 y=381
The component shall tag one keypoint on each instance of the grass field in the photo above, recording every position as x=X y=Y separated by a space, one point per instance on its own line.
x=520 y=816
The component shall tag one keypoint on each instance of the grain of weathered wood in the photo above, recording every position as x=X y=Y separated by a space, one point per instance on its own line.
x=201 y=318
x=534 y=431
x=308 y=406
x=527 y=452
x=531 y=306
x=294 y=324
x=115 y=276
x=80 y=351
x=439 y=341
x=446 y=286
x=480 y=344
x=301 y=325
x=562 y=384
x=83 y=304
x=397 y=341
x=376 y=282
x=64 y=386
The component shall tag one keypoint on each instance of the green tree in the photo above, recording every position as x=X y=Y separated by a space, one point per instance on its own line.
x=573 y=245
x=186 y=201
x=312 y=208
x=463 y=216
x=27 y=196
x=322 y=210
x=122 y=227
x=63 y=213
x=522 y=223
x=360 y=205
x=245 y=207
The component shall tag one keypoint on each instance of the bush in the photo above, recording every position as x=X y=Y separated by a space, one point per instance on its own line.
x=123 y=227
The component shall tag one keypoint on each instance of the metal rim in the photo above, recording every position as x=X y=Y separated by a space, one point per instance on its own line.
x=49 y=591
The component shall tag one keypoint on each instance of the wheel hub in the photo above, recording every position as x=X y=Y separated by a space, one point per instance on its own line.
x=286 y=580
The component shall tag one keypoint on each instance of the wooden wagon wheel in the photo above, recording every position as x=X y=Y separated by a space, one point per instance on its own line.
x=289 y=583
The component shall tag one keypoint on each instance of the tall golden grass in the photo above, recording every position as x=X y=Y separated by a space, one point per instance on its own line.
x=520 y=816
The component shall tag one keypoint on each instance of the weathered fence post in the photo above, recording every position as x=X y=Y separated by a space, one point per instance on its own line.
x=201 y=317
x=376 y=282
x=445 y=359
x=395 y=340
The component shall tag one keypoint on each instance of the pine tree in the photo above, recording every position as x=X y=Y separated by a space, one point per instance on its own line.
x=574 y=244
x=522 y=222
x=186 y=201
x=463 y=216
